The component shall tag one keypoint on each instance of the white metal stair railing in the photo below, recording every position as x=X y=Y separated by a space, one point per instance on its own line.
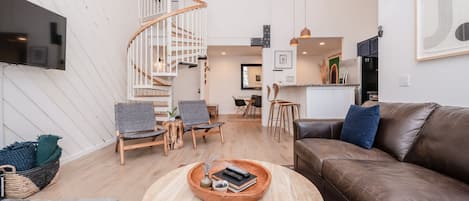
x=151 y=8
x=160 y=46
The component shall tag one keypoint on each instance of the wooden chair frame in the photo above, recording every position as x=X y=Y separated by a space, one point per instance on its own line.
x=206 y=132
x=121 y=147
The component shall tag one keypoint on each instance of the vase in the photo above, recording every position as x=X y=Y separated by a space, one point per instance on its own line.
x=206 y=182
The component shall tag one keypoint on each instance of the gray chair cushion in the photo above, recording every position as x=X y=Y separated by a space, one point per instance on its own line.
x=204 y=126
x=194 y=112
x=142 y=134
x=135 y=117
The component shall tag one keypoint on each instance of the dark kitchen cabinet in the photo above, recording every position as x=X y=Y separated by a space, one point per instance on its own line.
x=368 y=48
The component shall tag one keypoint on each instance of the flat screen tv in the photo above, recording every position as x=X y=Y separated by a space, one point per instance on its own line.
x=31 y=35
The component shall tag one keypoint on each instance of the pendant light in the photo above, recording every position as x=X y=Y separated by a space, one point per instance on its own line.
x=294 y=40
x=305 y=33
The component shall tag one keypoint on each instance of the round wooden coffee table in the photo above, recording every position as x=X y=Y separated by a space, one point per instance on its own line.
x=286 y=185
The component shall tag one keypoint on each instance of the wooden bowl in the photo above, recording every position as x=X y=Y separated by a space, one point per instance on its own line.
x=253 y=193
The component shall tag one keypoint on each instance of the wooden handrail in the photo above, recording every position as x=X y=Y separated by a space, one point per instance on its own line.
x=149 y=76
x=201 y=4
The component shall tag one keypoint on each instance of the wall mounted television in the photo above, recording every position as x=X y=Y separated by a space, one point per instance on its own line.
x=31 y=35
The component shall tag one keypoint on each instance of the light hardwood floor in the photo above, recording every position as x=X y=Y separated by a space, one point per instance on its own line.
x=99 y=174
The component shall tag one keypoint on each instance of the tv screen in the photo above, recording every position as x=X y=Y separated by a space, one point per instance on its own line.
x=31 y=35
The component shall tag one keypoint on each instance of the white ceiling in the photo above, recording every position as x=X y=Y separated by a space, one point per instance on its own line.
x=312 y=47
x=234 y=51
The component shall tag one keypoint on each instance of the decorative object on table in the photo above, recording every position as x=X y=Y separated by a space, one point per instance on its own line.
x=220 y=186
x=172 y=114
x=195 y=116
x=21 y=155
x=360 y=126
x=253 y=193
x=442 y=29
x=20 y=182
x=206 y=182
x=334 y=64
x=238 y=179
x=137 y=121
x=283 y=59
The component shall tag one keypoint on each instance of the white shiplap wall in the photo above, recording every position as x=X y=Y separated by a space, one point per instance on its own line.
x=77 y=104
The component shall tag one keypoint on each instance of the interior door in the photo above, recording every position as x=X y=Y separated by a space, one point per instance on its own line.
x=186 y=86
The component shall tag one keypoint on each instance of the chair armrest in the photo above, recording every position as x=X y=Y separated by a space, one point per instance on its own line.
x=317 y=128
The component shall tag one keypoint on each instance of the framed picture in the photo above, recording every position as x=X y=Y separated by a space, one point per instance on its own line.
x=283 y=59
x=38 y=56
x=442 y=29
x=334 y=67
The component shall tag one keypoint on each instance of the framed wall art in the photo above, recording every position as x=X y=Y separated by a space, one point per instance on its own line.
x=442 y=28
x=283 y=59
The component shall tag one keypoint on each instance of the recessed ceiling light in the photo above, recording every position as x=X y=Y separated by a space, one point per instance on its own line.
x=322 y=43
x=20 y=38
x=223 y=53
x=304 y=53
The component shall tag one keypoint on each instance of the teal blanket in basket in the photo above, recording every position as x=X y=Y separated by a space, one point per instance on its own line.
x=47 y=149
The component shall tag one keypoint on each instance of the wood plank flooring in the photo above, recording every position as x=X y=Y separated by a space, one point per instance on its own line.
x=99 y=174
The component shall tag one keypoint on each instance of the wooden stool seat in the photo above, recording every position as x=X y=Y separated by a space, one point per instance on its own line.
x=284 y=117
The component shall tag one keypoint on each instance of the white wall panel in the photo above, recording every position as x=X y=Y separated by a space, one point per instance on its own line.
x=77 y=104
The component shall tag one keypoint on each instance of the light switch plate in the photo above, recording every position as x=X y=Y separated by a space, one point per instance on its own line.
x=404 y=80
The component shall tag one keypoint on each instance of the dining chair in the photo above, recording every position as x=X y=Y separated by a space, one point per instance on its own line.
x=137 y=121
x=240 y=104
x=195 y=117
x=257 y=103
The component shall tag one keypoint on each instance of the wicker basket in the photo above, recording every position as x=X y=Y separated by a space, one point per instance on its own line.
x=22 y=184
x=21 y=155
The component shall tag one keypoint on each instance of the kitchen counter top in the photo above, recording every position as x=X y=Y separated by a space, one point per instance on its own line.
x=321 y=85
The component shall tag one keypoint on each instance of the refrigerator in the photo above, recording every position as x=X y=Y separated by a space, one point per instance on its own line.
x=369 y=79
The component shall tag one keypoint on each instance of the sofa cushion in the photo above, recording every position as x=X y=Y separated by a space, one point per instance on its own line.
x=391 y=181
x=399 y=126
x=360 y=126
x=444 y=143
x=315 y=151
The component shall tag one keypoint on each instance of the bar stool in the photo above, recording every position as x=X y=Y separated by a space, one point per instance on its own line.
x=284 y=117
x=273 y=103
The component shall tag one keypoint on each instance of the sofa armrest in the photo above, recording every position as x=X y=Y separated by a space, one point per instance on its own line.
x=317 y=128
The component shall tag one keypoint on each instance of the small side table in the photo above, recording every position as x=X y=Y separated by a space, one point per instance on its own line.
x=213 y=109
x=175 y=131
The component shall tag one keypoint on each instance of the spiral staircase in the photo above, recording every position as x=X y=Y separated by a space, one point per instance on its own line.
x=172 y=35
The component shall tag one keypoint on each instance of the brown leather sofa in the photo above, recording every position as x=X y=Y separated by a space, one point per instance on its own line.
x=421 y=152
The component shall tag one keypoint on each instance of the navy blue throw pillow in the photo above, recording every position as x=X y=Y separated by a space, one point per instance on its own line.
x=360 y=126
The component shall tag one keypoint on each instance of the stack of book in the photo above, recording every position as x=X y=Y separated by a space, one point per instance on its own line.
x=237 y=178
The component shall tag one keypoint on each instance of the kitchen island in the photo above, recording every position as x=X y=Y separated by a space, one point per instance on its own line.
x=321 y=101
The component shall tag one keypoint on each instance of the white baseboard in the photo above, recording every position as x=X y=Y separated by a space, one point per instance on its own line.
x=85 y=152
